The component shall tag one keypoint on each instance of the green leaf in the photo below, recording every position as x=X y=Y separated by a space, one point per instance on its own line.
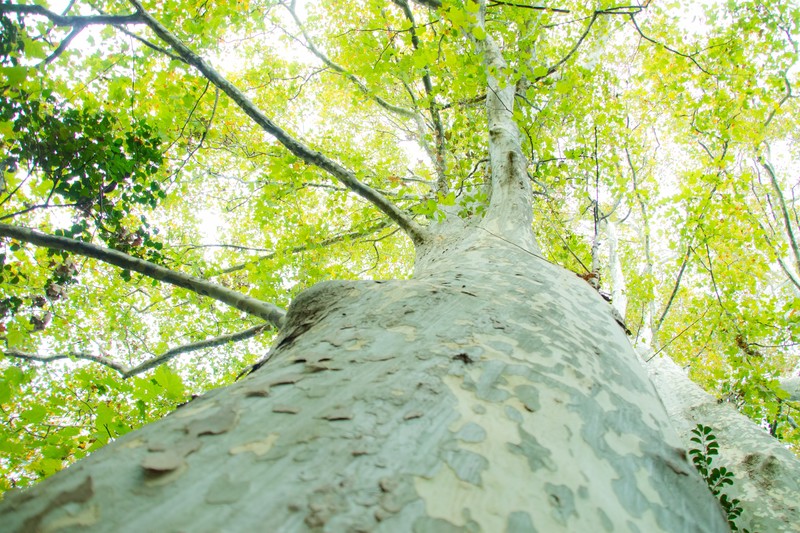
x=170 y=381
x=34 y=414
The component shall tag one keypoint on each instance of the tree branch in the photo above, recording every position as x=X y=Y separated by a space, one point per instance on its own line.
x=309 y=44
x=442 y=186
x=574 y=49
x=690 y=57
x=429 y=3
x=63 y=45
x=269 y=312
x=787 y=221
x=509 y=214
x=347 y=177
x=127 y=371
x=105 y=361
x=71 y=20
x=493 y=3
x=194 y=346
x=309 y=246
x=675 y=288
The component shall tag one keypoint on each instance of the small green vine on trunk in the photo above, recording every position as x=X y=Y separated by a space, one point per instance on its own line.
x=716 y=478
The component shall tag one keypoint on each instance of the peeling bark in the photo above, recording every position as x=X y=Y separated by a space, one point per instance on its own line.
x=492 y=392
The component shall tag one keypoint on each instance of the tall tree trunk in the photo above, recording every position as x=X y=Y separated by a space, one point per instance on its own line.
x=493 y=391
x=767 y=474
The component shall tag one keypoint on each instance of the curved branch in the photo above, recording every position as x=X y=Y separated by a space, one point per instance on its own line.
x=127 y=371
x=347 y=177
x=105 y=361
x=269 y=312
x=574 y=48
x=194 y=346
x=787 y=220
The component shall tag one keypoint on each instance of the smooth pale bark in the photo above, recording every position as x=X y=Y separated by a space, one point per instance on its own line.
x=618 y=297
x=494 y=391
x=767 y=474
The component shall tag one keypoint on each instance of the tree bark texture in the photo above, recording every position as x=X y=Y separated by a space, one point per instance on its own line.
x=492 y=392
x=767 y=474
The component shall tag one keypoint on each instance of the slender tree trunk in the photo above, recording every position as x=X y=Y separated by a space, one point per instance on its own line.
x=493 y=391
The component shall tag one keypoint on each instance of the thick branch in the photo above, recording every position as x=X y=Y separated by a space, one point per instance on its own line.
x=71 y=20
x=271 y=313
x=127 y=371
x=347 y=177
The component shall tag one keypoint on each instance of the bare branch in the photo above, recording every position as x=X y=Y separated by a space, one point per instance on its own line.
x=269 y=312
x=347 y=177
x=127 y=371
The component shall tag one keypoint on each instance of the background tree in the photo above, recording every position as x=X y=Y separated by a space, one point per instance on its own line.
x=334 y=141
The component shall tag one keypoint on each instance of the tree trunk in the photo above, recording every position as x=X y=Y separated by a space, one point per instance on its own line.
x=767 y=474
x=492 y=392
